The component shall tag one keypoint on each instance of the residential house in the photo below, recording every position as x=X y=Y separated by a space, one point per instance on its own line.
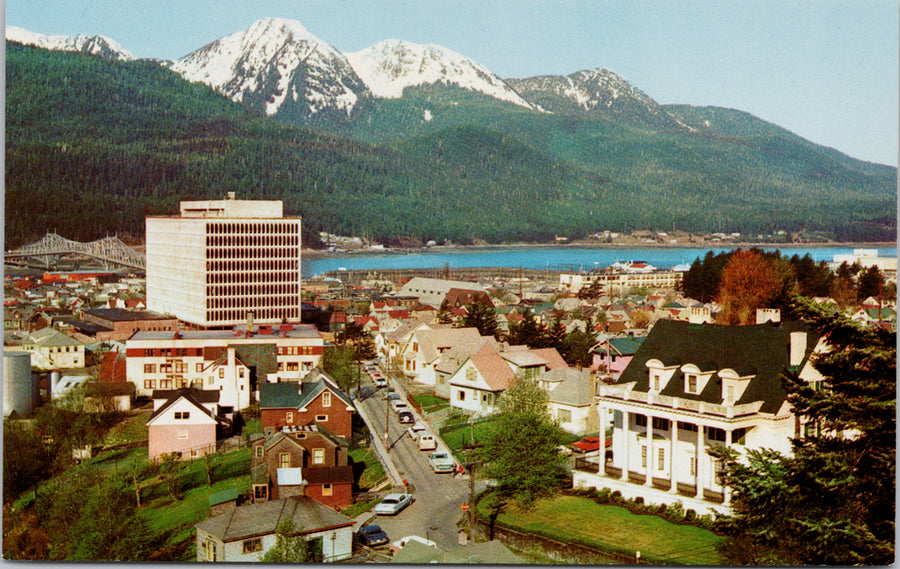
x=315 y=400
x=302 y=461
x=620 y=350
x=51 y=349
x=424 y=346
x=457 y=297
x=183 y=425
x=450 y=360
x=245 y=533
x=478 y=383
x=570 y=394
x=691 y=386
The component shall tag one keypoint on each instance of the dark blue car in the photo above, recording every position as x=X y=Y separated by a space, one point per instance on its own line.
x=371 y=536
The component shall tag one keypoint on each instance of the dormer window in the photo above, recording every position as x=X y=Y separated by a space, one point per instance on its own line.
x=690 y=383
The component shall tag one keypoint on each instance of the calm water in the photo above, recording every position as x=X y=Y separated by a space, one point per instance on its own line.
x=567 y=258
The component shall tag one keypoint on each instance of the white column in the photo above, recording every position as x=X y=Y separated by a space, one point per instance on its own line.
x=726 y=491
x=601 y=413
x=701 y=455
x=649 y=471
x=673 y=444
x=626 y=417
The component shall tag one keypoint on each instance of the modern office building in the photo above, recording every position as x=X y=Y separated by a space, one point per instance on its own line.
x=222 y=261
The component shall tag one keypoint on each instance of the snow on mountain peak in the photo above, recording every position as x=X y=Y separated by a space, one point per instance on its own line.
x=275 y=61
x=390 y=66
x=93 y=45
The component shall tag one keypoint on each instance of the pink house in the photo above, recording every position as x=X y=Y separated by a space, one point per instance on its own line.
x=183 y=426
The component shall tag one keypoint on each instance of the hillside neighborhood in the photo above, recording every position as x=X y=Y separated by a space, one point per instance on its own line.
x=643 y=382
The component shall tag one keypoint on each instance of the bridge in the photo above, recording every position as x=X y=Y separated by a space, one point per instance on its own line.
x=110 y=251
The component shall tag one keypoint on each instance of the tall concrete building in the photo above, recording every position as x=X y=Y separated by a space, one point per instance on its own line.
x=222 y=261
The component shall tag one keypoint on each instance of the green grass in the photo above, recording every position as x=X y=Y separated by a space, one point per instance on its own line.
x=132 y=429
x=430 y=403
x=374 y=473
x=615 y=529
x=357 y=509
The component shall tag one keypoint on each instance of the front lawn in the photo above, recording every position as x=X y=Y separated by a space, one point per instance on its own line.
x=615 y=529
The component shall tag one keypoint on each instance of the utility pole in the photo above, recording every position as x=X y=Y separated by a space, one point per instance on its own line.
x=470 y=466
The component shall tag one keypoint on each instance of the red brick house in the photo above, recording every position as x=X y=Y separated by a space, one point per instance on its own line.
x=316 y=399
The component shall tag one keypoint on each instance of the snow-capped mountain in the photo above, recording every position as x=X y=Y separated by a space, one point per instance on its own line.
x=599 y=92
x=94 y=45
x=274 y=66
x=390 y=66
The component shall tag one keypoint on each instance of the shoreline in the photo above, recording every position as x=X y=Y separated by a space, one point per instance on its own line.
x=389 y=251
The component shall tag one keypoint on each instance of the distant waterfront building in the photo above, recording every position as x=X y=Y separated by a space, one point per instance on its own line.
x=221 y=261
x=620 y=283
x=868 y=258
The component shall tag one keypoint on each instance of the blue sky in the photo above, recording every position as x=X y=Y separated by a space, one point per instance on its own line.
x=827 y=70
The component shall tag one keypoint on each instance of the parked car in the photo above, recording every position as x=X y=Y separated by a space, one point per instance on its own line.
x=399 y=405
x=380 y=382
x=371 y=536
x=441 y=461
x=389 y=393
x=393 y=504
x=406 y=417
x=587 y=444
x=426 y=441
x=415 y=429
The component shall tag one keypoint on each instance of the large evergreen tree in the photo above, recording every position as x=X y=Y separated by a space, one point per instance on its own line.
x=832 y=501
x=482 y=317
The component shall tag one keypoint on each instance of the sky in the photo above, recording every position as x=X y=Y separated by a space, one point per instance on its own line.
x=826 y=70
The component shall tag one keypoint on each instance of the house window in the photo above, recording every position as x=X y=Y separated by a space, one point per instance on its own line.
x=293 y=366
x=284 y=460
x=661 y=459
x=259 y=451
x=656 y=379
x=165 y=384
x=643 y=457
x=327 y=490
x=471 y=374
x=307 y=366
x=415 y=347
x=199 y=368
x=326 y=399
x=260 y=492
x=180 y=367
x=289 y=417
x=194 y=454
x=182 y=434
x=182 y=414
x=322 y=418
x=252 y=545
x=714 y=434
x=149 y=368
x=729 y=397
x=280 y=366
x=693 y=466
x=460 y=395
x=640 y=420
x=564 y=416
x=687 y=427
x=660 y=424
x=739 y=436
x=165 y=368
x=318 y=456
x=690 y=383
x=210 y=380
x=221 y=373
x=149 y=384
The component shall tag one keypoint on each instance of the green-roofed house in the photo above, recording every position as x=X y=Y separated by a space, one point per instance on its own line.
x=688 y=387
x=316 y=399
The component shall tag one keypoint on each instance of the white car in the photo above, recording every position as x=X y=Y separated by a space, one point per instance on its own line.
x=393 y=504
x=414 y=430
x=441 y=462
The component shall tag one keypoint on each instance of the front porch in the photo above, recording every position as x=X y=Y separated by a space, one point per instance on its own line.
x=586 y=475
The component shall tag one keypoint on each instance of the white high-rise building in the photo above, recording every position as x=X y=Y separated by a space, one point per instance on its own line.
x=222 y=261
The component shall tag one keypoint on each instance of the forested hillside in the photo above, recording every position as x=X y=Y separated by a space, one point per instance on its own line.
x=94 y=145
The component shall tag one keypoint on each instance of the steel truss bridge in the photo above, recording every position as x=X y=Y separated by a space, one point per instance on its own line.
x=111 y=252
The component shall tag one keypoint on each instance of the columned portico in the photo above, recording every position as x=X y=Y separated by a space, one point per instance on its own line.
x=673 y=462
x=649 y=457
x=699 y=461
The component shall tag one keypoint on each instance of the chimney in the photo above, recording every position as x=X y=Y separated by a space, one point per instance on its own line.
x=798 y=347
x=229 y=196
x=764 y=315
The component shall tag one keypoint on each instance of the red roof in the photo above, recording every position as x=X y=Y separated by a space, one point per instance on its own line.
x=112 y=369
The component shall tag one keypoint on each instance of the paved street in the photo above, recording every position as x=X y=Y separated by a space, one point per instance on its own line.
x=438 y=497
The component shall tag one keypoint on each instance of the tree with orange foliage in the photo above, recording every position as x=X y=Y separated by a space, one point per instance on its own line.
x=749 y=281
